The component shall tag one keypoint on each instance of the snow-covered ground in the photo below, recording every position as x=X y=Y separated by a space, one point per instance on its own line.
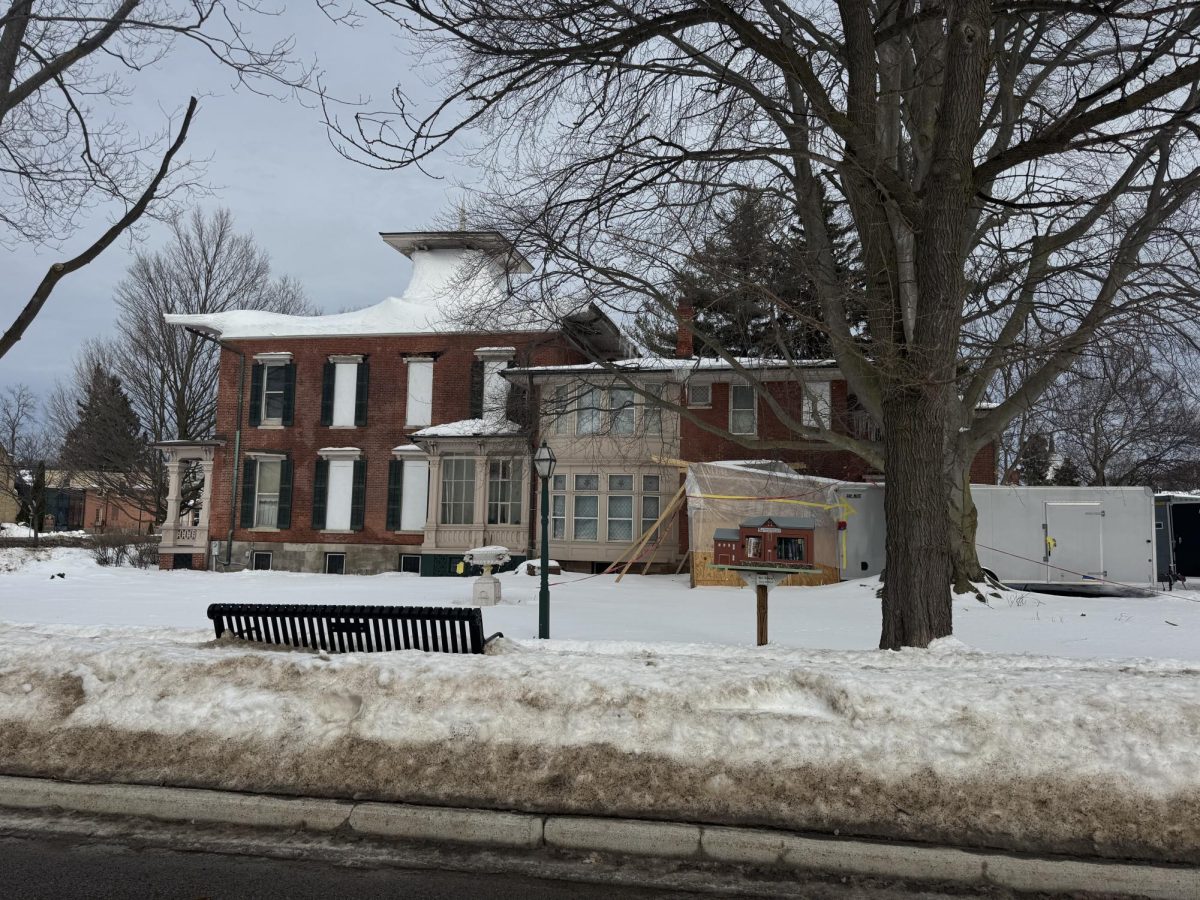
x=13 y=530
x=654 y=608
x=651 y=702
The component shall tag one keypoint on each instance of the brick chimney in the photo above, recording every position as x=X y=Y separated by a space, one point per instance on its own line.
x=685 y=346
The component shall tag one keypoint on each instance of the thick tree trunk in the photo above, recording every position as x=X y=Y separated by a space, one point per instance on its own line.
x=916 y=588
x=964 y=522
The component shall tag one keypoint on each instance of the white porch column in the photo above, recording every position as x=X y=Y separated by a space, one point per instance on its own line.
x=206 y=467
x=174 y=479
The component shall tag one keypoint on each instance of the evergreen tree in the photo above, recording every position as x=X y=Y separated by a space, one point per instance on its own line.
x=1067 y=474
x=107 y=436
x=1035 y=461
x=749 y=287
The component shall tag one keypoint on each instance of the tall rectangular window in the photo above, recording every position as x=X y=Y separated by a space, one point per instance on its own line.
x=274 y=390
x=341 y=488
x=816 y=404
x=620 y=517
x=587 y=417
x=558 y=516
x=458 y=490
x=419 y=412
x=560 y=409
x=415 y=500
x=621 y=409
x=652 y=414
x=651 y=509
x=743 y=409
x=587 y=509
x=345 y=393
x=266 y=497
x=504 y=492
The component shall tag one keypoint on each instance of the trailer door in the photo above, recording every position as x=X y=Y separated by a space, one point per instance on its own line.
x=1074 y=542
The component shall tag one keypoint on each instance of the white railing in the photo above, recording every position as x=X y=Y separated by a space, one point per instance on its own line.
x=182 y=537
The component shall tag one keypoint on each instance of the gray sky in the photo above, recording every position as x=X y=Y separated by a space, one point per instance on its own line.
x=317 y=214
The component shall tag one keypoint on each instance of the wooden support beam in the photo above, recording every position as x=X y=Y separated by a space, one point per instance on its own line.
x=679 y=497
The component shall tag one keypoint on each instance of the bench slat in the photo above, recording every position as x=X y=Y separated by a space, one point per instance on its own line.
x=352 y=629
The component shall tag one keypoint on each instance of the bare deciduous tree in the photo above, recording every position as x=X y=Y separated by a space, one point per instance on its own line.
x=1020 y=178
x=169 y=373
x=1126 y=417
x=66 y=68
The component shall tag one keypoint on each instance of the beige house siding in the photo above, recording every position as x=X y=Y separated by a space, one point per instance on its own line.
x=9 y=507
x=636 y=464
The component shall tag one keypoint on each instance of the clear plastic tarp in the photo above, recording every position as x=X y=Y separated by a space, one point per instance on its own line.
x=723 y=495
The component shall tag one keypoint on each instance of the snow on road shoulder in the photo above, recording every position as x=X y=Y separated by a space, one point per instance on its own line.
x=949 y=744
x=656 y=608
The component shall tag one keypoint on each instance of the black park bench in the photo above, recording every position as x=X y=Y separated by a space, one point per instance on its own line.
x=353 y=629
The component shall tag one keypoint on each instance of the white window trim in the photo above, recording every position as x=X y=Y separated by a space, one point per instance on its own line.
x=575 y=517
x=348 y=358
x=275 y=356
x=631 y=518
x=411 y=416
x=473 y=481
x=516 y=502
x=753 y=408
x=594 y=409
x=345 y=395
x=628 y=410
x=275 y=361
x=707 y=404
x=258 y=461
x=340 y=453
x=821 y=391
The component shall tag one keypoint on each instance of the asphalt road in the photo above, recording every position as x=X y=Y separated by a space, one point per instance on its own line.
x=32 y=868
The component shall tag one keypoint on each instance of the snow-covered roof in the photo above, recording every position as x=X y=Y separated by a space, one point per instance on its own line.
x=671 y=364
x=471 y=428
x=455 y=275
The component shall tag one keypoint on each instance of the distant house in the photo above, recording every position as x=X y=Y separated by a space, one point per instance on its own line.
x=10 y=503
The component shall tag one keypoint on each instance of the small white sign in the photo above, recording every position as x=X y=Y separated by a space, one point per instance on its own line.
x=770 y=530
x=763 y=579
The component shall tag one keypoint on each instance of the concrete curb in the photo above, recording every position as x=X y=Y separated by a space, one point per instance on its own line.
x=665 y=840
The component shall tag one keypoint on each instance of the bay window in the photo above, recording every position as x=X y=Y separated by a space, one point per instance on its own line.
x=458 y=490
x=504 y=492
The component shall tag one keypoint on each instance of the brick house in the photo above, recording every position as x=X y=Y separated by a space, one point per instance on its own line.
x=378 y=440
x=594 y=422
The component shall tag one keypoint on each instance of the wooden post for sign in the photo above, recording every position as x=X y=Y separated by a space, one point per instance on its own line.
x=760 y=591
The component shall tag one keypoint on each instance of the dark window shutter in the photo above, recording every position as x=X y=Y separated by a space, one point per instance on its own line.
x=249 y=474
x=360 y=394
x=320 y=494
x=256 y=385
x=519 y=409
x=358 y=495
x=395 y=493
x=289 y=393
x=327 y=382
x=476 y=410
x=283 y=517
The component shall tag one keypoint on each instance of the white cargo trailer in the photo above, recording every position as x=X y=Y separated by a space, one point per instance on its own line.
x=1081 y=538
x=1055 y=536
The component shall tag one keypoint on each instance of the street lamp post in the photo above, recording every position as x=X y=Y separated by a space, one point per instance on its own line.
x=543 y=461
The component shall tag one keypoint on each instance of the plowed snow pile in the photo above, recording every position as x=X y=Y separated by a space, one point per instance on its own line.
x=947 y=744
